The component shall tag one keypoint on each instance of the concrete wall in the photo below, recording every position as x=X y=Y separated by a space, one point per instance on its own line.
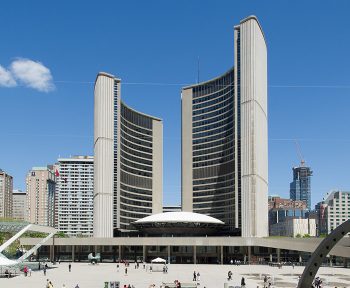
x=157 y=181
x=186 y=151
x=254 y=146
x=103 y=153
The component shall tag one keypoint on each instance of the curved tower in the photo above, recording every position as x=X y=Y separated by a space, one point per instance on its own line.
x=208 y=170
x=224 y=139
x=128 y=161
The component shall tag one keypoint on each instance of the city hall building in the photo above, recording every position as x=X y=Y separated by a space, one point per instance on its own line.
x=224 y=213
x=128 y=157
x=224 y=139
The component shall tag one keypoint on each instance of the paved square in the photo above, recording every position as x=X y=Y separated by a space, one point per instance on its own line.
x=211 y=276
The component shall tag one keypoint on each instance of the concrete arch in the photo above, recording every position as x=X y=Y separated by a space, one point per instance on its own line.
x=321 y=253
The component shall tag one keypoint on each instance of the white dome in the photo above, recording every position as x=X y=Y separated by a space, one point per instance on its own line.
x=179 y=217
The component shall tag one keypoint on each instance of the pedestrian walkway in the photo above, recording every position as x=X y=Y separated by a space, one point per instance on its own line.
x=210 y=276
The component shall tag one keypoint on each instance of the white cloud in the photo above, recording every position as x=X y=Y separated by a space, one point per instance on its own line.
x=6 y=78
x=32 y=74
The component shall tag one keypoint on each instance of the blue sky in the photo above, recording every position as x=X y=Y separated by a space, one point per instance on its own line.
x=160 y=41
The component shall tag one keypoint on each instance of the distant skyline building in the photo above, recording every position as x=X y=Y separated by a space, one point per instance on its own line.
x=6 y=197
x=280 y=210
x=293 y=227
x=336 y=210
x=74 y=195
x=128 y=169
x=19 y=205
x=300 y=188
x=40 y=191
x=224 y=139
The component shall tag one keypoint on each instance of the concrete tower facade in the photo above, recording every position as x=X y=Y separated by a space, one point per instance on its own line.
x=224 y=139
x=40 y=191
x=6 y=196
x=128 y=147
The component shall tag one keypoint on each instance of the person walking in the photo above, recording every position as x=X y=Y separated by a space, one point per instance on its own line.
x=198 y=276
x=126 y=271
x=70 y=267
x=44 y=269
x=242 y=282
x=194 y=276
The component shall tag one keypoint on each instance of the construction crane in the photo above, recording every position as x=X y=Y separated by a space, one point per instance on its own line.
x=302 y=160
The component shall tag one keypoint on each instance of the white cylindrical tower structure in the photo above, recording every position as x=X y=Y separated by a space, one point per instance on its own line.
x=106 y=97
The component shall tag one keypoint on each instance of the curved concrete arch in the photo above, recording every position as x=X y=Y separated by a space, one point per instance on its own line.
x=321 y=253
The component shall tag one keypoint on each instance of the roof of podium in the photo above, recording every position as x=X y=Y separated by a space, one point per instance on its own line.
x=179 y=217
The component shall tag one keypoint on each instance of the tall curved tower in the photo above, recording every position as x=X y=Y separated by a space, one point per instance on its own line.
x=128 y=148
x=224 y=139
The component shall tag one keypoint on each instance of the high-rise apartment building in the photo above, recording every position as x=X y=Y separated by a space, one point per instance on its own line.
x=224 y=139
x=74 y=195
x=19 y=205
x=6 y=197
x=40 y=190
x=128 y=153
x=300 y=188
x=336 y=209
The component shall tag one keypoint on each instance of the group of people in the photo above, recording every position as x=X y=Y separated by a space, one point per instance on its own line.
x=267 y=281
x=317 y=282
x=27 y=271
x=229 y=278
x=236 y=262
x=196 y=276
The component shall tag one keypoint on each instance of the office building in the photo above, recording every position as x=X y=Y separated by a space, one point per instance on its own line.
x=337 y=209
x=281 y=209
x=6 y=197
x=128 y=151
x=300 y=188
x=293 y=227
x=19 y=205
x=321 y=217
x=74 y=195
x=224 y=139
x=40 y=191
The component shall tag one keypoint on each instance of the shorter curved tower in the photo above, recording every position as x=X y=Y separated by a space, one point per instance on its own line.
x=128 y=147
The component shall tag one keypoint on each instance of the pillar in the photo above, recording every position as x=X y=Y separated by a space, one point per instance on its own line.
x=222 y=254
x=73 y=253
x=120 y=252
x=51 y=253
x=345 y=262
x=194 y=254
x=278 y=255
x=169 y=254
x=249 y=248
x=143 y=253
